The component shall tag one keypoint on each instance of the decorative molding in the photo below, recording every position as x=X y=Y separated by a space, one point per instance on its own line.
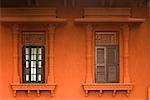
x=51 y=33
x=109 y=20
x=108 y=15
x=126 y=34
x=32 y=19
x=107 y=12
x=33 y=87
x=89 y=47
x=22 y=12
x=101 y=87
x=30 y=15
x=15 y=30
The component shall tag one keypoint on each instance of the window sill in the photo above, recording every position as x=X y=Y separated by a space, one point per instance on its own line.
x=108 y=87
x=33 y=87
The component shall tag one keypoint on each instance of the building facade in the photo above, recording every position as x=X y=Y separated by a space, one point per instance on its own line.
x=75 y=50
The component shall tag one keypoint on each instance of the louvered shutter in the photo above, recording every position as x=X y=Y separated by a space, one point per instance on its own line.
x=112 y=63
x=100 y=65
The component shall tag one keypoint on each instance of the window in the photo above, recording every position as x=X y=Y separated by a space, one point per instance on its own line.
x=106 y=57
x=33 y=57
x=33 y=64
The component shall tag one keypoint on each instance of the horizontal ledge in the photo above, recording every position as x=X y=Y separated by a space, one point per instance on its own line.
x=108 y=86
x=32 y=19
x=109 y=20
x=26 y=86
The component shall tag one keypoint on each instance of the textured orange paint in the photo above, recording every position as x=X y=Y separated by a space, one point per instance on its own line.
x=70 y=62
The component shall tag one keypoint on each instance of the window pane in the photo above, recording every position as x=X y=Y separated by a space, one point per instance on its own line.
x=33 y=57
x=39 y=77
x=39 y=51
x=39 y=71
x=27 y=50
x=33 y=77
x=33 y=70
x=33 y=50
x=27 y=57
x=27 y=77
x=27 y=64
x=39 y=64
x=27 y=71
x=33 y=63
x=40 y=57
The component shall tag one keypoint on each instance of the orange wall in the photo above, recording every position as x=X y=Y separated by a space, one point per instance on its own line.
x=70 y=62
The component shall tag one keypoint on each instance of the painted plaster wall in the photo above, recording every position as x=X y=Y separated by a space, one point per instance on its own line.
x=70 y=61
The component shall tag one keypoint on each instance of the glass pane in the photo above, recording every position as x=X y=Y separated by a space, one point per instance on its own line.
x=33 y=50
x=27 y=71
x=39 y=64
x=27 y=64
x=33 y=63
x=39 y=71
x=27 y=77
x=33 y=77
x=33 y=70
x=27 y=50
x=39 y=50
x=40 y=57
x=33 y=57
x=27 y=57
x=39 y=77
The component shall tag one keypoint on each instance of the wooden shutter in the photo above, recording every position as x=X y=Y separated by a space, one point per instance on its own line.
x=100 y=65
x=112 y=63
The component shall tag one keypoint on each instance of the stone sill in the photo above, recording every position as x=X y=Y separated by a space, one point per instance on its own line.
x=108 y=87
x=33 y=87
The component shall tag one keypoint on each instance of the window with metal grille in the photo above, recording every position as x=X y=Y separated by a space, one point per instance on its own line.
x=33 y=57
x=106 y=57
